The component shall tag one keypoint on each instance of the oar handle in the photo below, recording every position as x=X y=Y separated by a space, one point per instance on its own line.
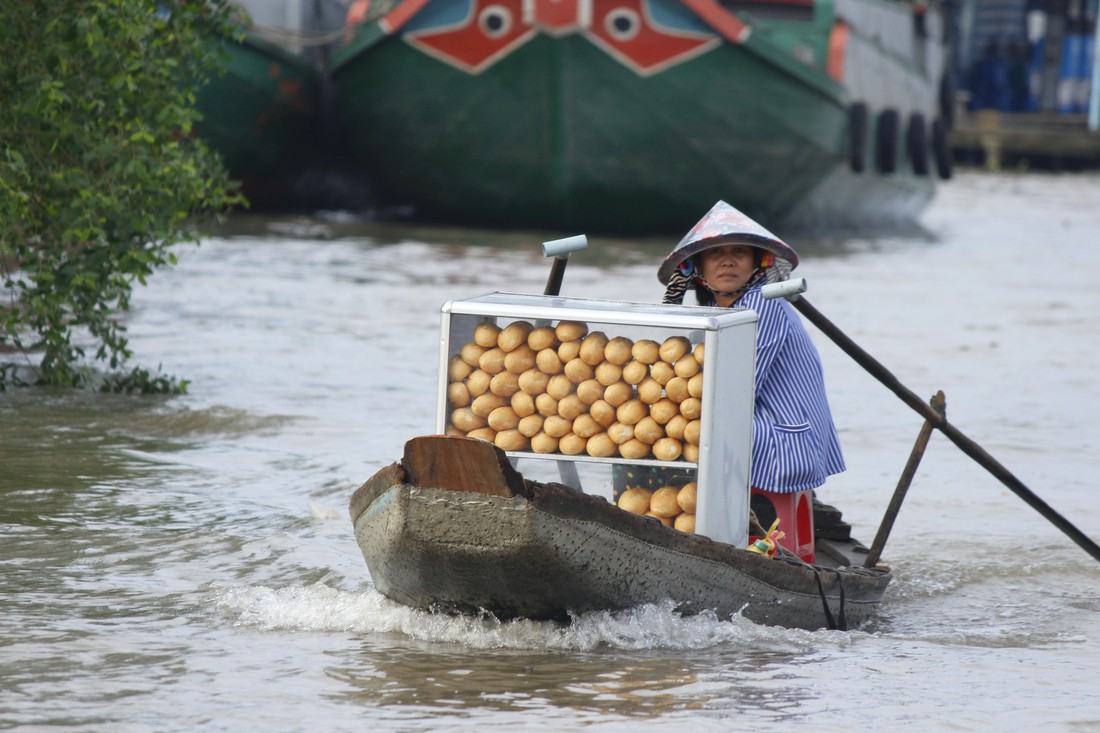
x=789 y=289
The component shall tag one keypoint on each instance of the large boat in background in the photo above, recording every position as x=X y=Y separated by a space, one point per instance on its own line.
x=636 y=115
x=260 y=114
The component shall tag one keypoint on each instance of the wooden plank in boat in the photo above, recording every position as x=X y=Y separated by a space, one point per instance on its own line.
x=461 y=464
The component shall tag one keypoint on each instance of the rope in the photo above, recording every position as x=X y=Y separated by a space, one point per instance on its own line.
x=831 y=620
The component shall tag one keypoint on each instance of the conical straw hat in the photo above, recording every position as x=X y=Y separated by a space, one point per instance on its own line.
x=724 y=224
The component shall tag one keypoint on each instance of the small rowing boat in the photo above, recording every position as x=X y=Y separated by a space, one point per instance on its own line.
x=455 y=528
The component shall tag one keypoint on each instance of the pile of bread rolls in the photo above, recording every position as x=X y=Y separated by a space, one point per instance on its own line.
x=675 y=507
x=561 y=389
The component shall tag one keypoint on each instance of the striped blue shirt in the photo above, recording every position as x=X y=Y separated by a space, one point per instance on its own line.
x=794 y=442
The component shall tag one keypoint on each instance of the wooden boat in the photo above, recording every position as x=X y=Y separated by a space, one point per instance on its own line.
x=454 y=528
x=629 y=115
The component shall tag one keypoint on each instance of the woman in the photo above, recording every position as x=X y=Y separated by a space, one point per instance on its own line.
x=726 y=258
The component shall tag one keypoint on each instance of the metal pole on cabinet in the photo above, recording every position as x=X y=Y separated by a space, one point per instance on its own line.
x=560 y=249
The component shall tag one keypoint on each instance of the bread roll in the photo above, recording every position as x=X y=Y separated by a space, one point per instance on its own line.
x=487 y=434
x=634 y=372
x=478 y=383
x=512 y=440
x=572 y=444
x=465 y=420
x=457 y=370
x=691 y=453
x=677 y=389
x=686 y=497
x=568 y=350
x=559 y=386
x=523 y=404
x=617 y=350
x=647 y=351
x=686 y=366
x=649 y=391
x=667 y=521
x=579 y=370
x=663 y=502
x=620 y=432
x=685 y=523
x=571 y=330
x=695 y=385
x=674 y=428
x=548 y=362
x=662 y=371
x=571 y=407
x=492 y=361
x=635 y=500
x=452 y=430
x=673 y=348
x=486 y=403
x=592 y=348
x=471 y=353
x=504 y=384
x=667 y=449
x=542 y=338
x=546 y=405
x=601 y=446
x=485 y=334
x=503 y=418
x=543 y=443
x=590 y=390
x=531 y=426
x=618 y=393
x=556 y=426
x=514 y=335
x=458 y=394
x=691 y=432
x=663 y=410
x=608 y=373
x=533 y=382
x=586 y=426
x=519 y=359
x=634 y=449
x=631 y=411
x=699 y=352
x=647 y=430
x=602 y=412
x=691 y=408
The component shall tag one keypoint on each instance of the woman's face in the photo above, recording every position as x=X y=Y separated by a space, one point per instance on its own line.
x=728 y=267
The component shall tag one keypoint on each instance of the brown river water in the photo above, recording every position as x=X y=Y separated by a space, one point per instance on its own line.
x=187 y=563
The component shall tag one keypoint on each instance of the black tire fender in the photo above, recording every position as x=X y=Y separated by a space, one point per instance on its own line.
x=857 y=136
x=916 y=139
x=941 y=149
x=886 y=141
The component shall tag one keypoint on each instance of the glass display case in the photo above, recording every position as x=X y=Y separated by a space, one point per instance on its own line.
x=626 y=387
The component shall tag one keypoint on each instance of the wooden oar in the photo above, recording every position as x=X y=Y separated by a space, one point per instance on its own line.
x=792 y=289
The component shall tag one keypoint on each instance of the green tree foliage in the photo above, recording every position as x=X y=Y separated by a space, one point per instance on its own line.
x=100 y=175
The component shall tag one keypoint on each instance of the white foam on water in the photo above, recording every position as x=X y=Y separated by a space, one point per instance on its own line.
x=321 y=608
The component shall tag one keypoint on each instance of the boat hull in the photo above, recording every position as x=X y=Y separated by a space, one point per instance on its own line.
x=259 y=116
x=560 y=553
x=560 y=134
